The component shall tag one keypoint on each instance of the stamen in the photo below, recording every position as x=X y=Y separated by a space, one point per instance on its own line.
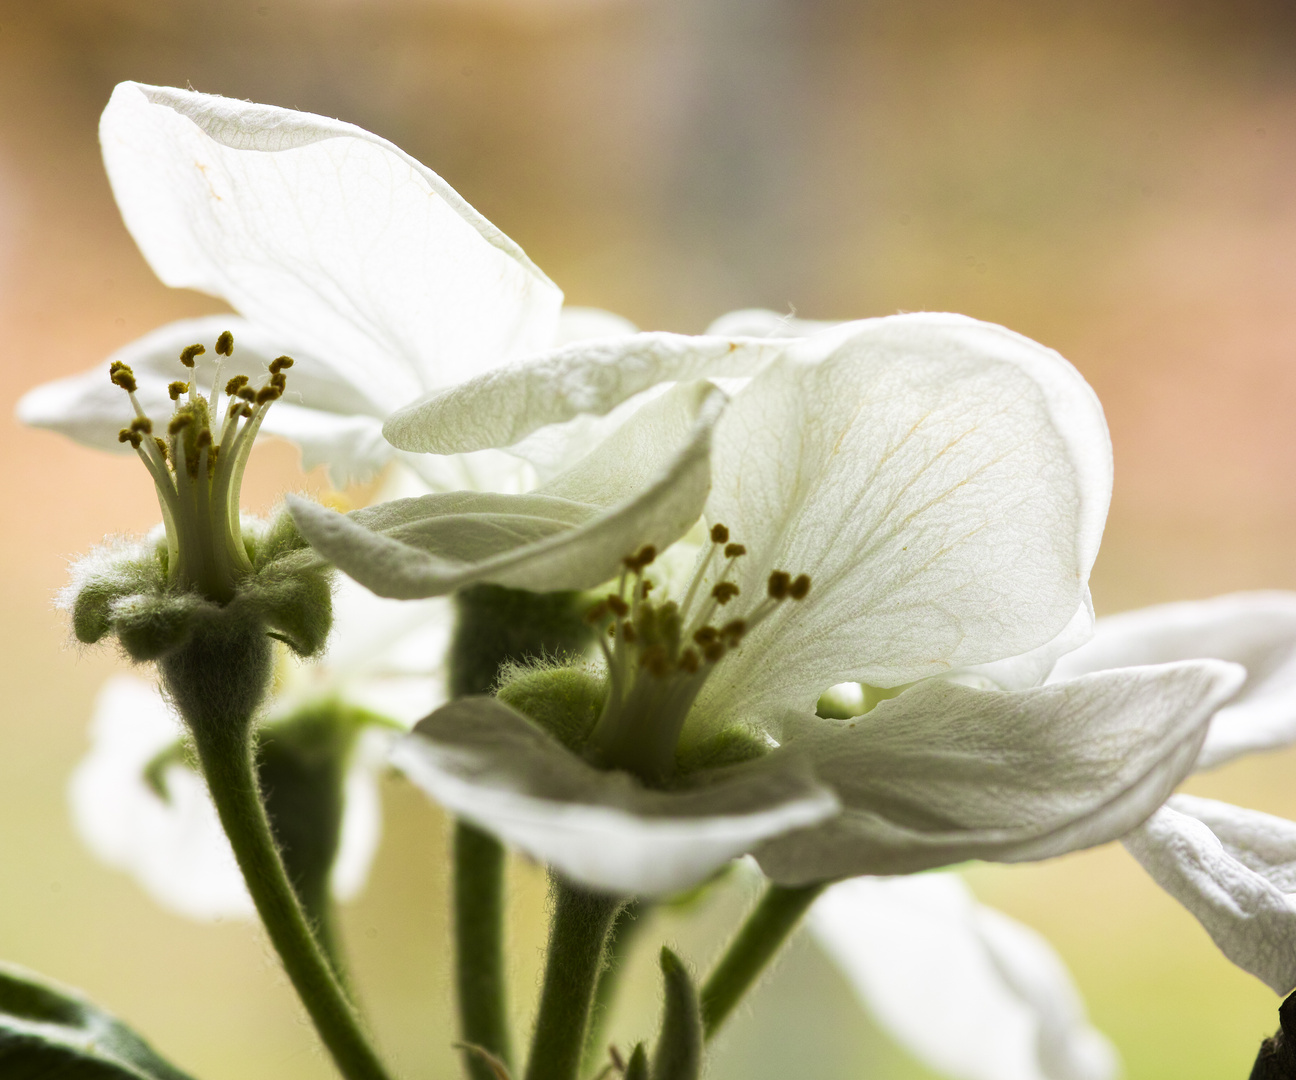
x=733 y=631
x=597 y=613
x=780 y=584
x=142 y=424
x=618 y=606
x=266 y=393
x=706 y=636
x=178 y=423
x=235 y=385
x=190 y=353
x=281 y=363
x=800 y=588
x=121 y=375
x=247 y=393
x=724 y=592
x=719 y=534
x=689 y=661
x=161 y=446
x=126 y=435
x=225 y=344
x=177 y=388
x=732 y=551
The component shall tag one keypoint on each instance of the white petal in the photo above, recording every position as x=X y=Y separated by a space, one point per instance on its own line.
x=500 y=408
x=1235 y=870
x=943 y=482
x=489 y=764
x=324 y=234
x=1257 y=630
x=1032 y=668
x=176 y=849
x=762 y=323
x=971 y=993
x=646 y=485
x=944 y=772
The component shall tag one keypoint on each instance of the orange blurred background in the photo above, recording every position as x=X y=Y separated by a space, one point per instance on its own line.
x=1112 y=178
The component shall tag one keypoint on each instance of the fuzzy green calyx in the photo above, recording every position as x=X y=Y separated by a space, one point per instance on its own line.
x=565 y=701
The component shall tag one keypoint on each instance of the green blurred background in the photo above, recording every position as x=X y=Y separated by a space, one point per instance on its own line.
x=1111 y=178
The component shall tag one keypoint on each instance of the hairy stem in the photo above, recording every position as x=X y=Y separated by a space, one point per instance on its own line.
x=760 y=938
x=225 y=751
x=625 y=929
x=479 y=952
x=577 y=937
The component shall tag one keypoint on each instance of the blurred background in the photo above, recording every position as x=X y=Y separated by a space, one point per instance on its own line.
x=1112 y=178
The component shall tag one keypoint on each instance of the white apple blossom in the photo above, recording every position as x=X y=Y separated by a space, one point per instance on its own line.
x=1232 y=868
x=968 y=991
x=140 y=806
x=908 y=499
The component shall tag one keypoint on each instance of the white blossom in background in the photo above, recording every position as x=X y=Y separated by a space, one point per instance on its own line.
x=383 y=657
x=971 y=993
x=941 y=485
x=1232 y=868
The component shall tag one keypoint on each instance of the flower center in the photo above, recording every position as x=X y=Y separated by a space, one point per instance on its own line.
x=198 y=468
x=660 y=654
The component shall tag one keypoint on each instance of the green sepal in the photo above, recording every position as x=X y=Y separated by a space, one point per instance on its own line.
x=565 y=701
x=149 y=625
x=732 y=746
x=93 y=600
x=637 y=1066
x=49 y=1031
x=278 y=539
x=295 y=604
x=679 y=1046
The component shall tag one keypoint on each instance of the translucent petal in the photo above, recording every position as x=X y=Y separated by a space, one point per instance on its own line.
x=1257 y=630
x=944 y=772
x=325 y=235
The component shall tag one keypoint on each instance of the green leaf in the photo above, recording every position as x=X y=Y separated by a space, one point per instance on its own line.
x=637 y=1069
x=48 y=1032
x=679 y=1046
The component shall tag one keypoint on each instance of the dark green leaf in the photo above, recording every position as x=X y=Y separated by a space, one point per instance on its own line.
x=48 y=1032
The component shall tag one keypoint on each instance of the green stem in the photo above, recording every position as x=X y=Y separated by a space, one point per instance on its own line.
x=625 y=929
x=225 y=751
x=479 y=953
x=577 y=935
x=761 y=936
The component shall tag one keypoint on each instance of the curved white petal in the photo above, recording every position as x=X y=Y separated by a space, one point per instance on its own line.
x=1033 y=668
x=943 y=482
x=492 y=766
x=968 y=991
x=1256 y=629
x=944 y=772
x=324 y=234
x=1235 y=870
x=176 y=849
x=646 y=485
x=502 y=407
x=763 y=323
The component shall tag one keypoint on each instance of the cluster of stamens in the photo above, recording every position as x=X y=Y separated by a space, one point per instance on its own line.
x=674 y=647
x=197 y=473
x=661 y=635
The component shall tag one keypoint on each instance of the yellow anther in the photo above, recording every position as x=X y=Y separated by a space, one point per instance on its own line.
x=128 y=436
x=713 y=652
x=266 y=393
x=597 y=613
x=733 y=631
x=121 y=375
x=177 y=388
x=178 y=423
x=162 y=447
x=190 y=353
x=724 y=592
x=628 y=633
x=645 y=588
x=719 y=534
x=281 y=363
x=204 y=439
x=247 y=393
x=142 y=424
x=732 y=551
x=800 y=587
x=689 y=660
x=706 y=635
x=225 y=344
x=656 y=660
x=780 y=583
x=619 y=607
x=279 y=381
x=235 y=385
